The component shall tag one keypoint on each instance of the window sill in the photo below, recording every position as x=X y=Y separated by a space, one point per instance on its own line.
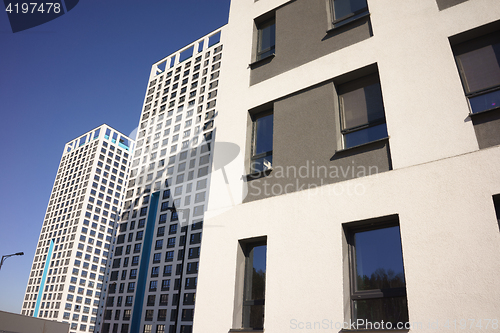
x=261 y=61
x=257 y=175
x=334 y=26
x=341 y=151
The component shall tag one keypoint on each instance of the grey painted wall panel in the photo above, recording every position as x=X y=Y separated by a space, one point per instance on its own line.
x=304 y=145
x=301 y=36
x=487 y=128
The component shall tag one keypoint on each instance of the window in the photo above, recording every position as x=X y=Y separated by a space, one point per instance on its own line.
x=187 y=314
x=361 y=111
x=189 y=299
x=135 y=260
x=343 y=11
x=254 y=282
x=162 y=316
x=195 y=238
x=165 y=285
x=266 y=38
x=478 y=61
x=262 y=142
x=127 y=313
x=149 y=317
x=163 y=299
x=191 y=283
x=377 y=281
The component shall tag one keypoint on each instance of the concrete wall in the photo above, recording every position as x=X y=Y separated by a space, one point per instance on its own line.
x=306 y=130
x=449 y=236
x=15 y=323
x=302 y=35
x=440 y=185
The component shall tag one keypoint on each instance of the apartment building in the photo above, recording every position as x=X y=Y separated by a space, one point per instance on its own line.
x=73 y=255
x=153 y=280
x=366 y=191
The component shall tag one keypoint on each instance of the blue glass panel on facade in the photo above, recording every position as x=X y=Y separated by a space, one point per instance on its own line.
x=44 y=278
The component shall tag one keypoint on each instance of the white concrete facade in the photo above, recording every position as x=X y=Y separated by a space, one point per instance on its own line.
x=441 y=185
x=72 y=259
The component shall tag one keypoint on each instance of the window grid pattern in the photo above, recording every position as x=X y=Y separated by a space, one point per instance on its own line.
x=80 y=222
x=173 y=156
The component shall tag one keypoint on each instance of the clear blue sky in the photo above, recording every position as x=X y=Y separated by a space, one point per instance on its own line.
x=65 y=77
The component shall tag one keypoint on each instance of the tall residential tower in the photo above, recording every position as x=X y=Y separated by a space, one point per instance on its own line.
x=154 y=271
x=73 y=254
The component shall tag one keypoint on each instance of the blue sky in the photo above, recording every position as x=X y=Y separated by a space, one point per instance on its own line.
x=60 y=80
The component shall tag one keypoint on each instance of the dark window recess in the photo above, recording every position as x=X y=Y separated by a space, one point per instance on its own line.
x=362 y=111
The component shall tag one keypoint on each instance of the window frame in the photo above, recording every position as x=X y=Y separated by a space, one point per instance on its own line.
x=350 y=230
x=338 y=22
x=255 y=157
x=271 y=50
x=466 y=47
x=348 y=87
x=247 y=246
